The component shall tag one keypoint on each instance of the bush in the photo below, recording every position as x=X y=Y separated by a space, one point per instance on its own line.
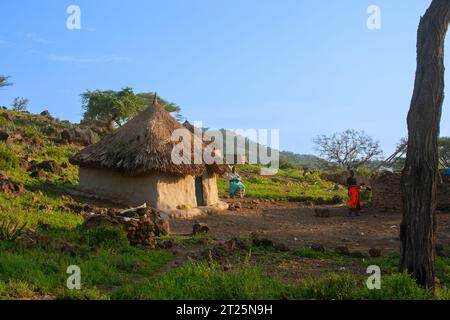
x=333 y=286
x=8 y=159
x=400 y=287
x=105 y=236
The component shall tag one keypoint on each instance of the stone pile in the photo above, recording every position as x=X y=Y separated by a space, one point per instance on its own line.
x=142 y=225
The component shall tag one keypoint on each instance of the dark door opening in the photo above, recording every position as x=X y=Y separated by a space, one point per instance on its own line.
x=199 y=190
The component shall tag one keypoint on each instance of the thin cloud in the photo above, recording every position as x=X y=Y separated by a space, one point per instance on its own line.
x=74 y=59
x=5 y=43
x=38 y=39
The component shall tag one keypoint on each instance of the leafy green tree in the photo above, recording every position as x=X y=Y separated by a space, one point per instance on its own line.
x=444 y=149
x=348 y=149
x=4 y=81
x=20 y=104
x=110 y=108
x=114 y=108
x=147 y=98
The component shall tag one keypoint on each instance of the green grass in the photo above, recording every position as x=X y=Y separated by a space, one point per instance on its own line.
x=34 y=208
x=207 y=280
x=287 y=183
x=42 y=269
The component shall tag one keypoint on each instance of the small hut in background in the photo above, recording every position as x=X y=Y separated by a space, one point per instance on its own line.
x=133 y=165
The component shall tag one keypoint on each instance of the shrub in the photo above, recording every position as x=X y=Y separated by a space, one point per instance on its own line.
x=333 y=286
x=105 y=236
x=8 y=159
x=400 y=287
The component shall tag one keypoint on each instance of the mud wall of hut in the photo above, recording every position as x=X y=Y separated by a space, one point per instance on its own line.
x=386 y=192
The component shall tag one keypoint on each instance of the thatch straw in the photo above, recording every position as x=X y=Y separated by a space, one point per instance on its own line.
x=143 y=145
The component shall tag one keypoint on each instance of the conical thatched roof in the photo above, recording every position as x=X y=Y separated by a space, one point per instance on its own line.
x=143 y=145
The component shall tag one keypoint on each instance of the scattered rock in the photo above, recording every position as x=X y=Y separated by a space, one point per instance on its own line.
x=223 y=249
x=98 y=220
x=5 y=136
x=375 y=253
x=235 y=206
x=358 y=254
x=8 y=186
x=259 y=240
x=46 y=166
x=199 y=228
x=165 y=244
x=136 y=265
x=317 y=247
x=281 y=247
x=342 y=250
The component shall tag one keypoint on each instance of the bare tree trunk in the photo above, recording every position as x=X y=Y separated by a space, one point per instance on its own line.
x=419 y=178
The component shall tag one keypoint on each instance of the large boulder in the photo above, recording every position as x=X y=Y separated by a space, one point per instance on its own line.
x=5 y=136
x=199 y=228
x=81 y=136
x=46 y=114
x=47 y=166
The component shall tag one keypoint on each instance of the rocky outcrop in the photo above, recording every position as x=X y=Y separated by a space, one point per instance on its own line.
x=47 y=166
x=81 y=136
x=8 y=186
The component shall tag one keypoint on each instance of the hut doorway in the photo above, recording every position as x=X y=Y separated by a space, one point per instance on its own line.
x=199 y=190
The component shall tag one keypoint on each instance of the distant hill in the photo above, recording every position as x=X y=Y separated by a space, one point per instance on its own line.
x=294 y=159
x=304 y=160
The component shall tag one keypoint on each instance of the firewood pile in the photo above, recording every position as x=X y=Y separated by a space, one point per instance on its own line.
x=386 y=192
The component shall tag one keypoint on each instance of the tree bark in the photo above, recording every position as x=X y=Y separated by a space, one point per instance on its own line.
x=419 y=177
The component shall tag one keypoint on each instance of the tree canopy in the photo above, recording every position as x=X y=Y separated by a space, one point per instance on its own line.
x=444 y=149
x=4 y=81
x=20 y=104
x=114 y=108
x=348 y=149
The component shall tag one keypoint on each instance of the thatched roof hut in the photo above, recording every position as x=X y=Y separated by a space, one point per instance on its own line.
x=134 y=165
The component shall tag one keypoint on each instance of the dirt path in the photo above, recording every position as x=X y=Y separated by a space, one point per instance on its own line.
x=298 y=226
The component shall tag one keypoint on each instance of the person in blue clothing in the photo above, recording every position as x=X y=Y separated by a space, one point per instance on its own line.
x=237 y=188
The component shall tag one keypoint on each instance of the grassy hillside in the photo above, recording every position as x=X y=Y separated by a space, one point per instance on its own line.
x=34 y=174
x=287 y=184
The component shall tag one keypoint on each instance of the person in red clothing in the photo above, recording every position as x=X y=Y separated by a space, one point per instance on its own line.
x=354 y=203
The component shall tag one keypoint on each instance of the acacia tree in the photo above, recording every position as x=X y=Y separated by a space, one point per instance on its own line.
x=348 y=149
x=419 y=177
x=114 y=108
x=110 y=107
x=4 y=81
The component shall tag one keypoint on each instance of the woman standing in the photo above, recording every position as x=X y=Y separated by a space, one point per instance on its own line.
x=354 y=203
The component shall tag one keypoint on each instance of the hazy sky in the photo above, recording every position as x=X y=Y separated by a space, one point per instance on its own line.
x=304 y=67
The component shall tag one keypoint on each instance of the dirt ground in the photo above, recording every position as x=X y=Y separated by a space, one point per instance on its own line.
x=297 y=226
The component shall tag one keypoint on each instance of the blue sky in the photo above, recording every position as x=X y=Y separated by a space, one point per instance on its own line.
x=304 y=67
